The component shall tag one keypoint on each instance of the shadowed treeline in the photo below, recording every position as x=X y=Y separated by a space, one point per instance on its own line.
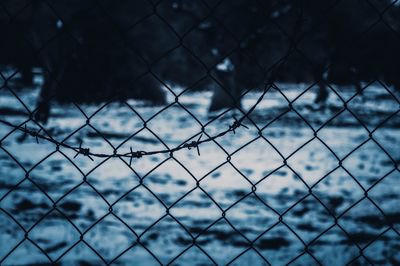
x=106 y=50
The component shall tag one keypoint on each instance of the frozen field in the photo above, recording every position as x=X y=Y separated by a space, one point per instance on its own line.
x=53 y=221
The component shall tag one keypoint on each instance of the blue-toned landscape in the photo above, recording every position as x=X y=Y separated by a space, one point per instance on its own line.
x=233 y=214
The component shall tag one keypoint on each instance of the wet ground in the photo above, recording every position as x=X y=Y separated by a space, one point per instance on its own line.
x=250 y=208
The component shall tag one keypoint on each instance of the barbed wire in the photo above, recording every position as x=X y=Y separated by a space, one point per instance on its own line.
x=85 y=151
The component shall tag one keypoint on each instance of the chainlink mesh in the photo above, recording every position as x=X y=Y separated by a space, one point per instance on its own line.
x=295 y=169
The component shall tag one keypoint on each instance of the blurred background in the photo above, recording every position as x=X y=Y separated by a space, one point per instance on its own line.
x=309 y=176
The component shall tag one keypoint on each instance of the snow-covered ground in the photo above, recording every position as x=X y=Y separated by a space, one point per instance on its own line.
x=227 y=169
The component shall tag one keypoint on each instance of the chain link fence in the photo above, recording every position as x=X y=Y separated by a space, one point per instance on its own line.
x=199 y=132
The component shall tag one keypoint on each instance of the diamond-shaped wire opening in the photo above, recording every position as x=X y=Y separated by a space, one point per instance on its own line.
x=152 y=99
x=315 y=113
x=16 y=104
x=309 y=218
x=287 y=141
x=202 y=166
x=279 y=244
x=139 y=209
x=312 y=162
x=7 y=74
x=11 y=173
x=384 y=194
x=359 y=260
x=144 y=166
x=273 y=104
x=137 y=255
x=276 y=192
x=26 y=143
x=338 y=191
x=226 y=188
x=253 y=155
x=362 y=223
x=113 y=178
x=196 y=211
x=384 y=249
x=305 y=259
x=170 y=182
x=243 y=137
x=174 y=126
x=221 y=242
x=11 y=233
x=343 y=134
x=194 y=99
x=80 y=253
x=388 y=141
x=367 y=164
x=82 y=206
x=304 y=102
x=289 y=91
x=26 y=203
x=26 y=253
x=83 y=164
x=170 y=243
x=109 y=227
x=54 y=234
x=66 y=121
x=141 y=139
x=250 y=256
x=87 y=136
x=251 y=217
x=225 y=117
x=56 y=175
x=341 y=254
x=195 y=255
x=371 y=112
x=105 y=123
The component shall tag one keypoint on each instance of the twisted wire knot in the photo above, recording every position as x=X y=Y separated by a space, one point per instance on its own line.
x=83 y=151
x=236 y=124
